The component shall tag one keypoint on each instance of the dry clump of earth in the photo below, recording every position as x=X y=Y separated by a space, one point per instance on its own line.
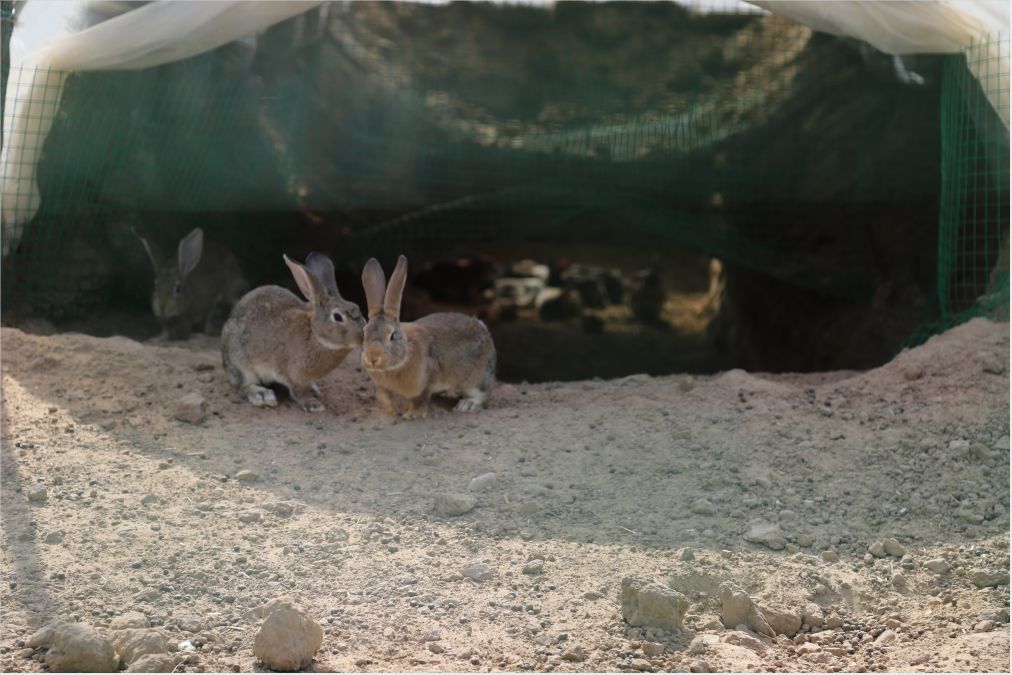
x=845 y=521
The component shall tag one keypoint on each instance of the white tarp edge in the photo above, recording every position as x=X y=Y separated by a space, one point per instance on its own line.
x=980 y=28
x=52 y=39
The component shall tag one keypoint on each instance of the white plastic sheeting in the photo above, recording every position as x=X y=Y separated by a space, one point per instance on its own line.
x=54 y=38
x=980 y=28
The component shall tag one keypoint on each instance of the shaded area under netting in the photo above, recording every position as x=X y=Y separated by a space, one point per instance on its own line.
x=854 y=208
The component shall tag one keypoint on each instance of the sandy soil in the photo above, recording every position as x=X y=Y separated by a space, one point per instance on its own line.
x=662 y=477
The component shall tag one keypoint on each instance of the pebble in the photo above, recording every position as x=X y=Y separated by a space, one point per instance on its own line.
x=435 y=648
x=702 y=506
x=959 y=445
x=652 y=648
x=877 y=549
x=190 y=624
x=737 y=608
x=645 y=603
x=476 y=571
x=988 y=578
x=153 y=663
x=133 y=643
x=984 y=626
x=829 y=556
x=451 y=504
x=191 y=408
x=129 y=620
x=250 y=516
x=699 y=667
x=485 y=481
x=923 y=657
x=433 y=636
x=574 y=653
x=38 y=494
x=288 y=638
x=535 y=567
x=767 y=534
x=938 y=565
x=247 y=476
x=886 y=638
x=686 y=555
x=54 y=537
x=592 y=595
x=893 y=623
x=894 y=548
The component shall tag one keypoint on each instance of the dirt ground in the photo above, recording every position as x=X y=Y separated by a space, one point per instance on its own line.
x=671 y=478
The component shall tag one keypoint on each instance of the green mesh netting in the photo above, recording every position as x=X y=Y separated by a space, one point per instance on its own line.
x=379 y=128
x=973 y=255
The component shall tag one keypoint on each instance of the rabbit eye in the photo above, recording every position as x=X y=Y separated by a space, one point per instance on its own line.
x=395 y=336
x=336 y=316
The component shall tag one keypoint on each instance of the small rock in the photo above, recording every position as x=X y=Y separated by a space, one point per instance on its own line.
x=702 y=506
x=129 y=620
x=686 y=555
x=153 y=663
x=959 y=445
x=699 y=667
x=737 y=607
x=485 y=481
x=337 y=534
x=645 y=603
x=38 y=494
x=921 y=658
x=54 y=537
x=877 y=549
x=813 y=616
x=476 y=571
x=288 y=638
x=782 y=622
x=893 y=623
x=592 y=595
x=984 y=626
x=767 y=534
x=133 y=643
x=808 y=648
x=743 y=639
x=453 y=504
x=435 y=648
x=699 y=645
x=76 y=647
x=938 y=565
x=887 y=637
x=894 y=548
x=988 y=578
x=190 y=624
x=251 y=516
x=247 y=476
x=574 y=653
x=535 y=567
x=191 y=408
x=829 y=556
x=433 y=636
x=652 y=648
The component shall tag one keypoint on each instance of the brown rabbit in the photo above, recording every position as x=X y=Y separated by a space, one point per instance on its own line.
x=445 y=353
x=273 y=336
x=197 y=287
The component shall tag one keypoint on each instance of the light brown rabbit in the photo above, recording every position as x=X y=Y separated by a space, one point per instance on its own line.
x=446 y=353
x=273 y=336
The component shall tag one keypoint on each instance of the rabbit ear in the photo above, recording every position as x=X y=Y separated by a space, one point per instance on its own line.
x=154 y=255
x=374 y=283
x=392 y=300
x=190 y=249
x=323 y=269
x=306 y=281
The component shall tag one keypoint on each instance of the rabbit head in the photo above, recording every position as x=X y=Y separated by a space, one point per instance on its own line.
x=337 y=323
x=172 y=296
x=384 y=345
